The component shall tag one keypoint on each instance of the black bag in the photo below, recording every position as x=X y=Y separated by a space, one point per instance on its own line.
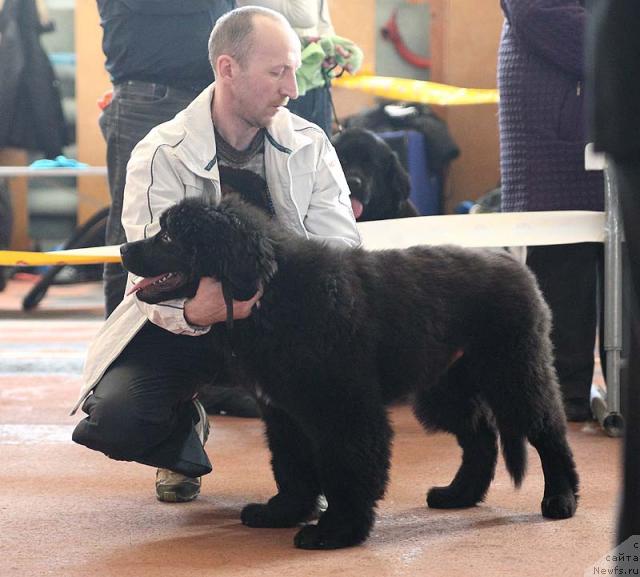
x=11 y=66
x=31 y=114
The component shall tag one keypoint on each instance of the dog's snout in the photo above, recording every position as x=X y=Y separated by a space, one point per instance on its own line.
x=124 y=249
x=354 y=182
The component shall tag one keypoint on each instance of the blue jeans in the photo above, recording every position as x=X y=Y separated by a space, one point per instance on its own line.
x=135 y=109
x=315 y=106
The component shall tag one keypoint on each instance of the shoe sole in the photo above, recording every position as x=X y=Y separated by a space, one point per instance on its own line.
x=174 y=497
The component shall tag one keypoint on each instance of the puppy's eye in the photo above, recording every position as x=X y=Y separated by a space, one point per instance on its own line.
x=165 y=237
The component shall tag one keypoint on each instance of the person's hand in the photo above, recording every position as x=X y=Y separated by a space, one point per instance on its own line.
x=207 y=307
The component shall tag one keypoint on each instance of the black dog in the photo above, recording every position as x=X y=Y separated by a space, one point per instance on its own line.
x=379 y=185
x=340 y=333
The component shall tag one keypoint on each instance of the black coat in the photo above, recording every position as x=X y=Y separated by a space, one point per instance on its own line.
x=30 y=108
x=540 y=73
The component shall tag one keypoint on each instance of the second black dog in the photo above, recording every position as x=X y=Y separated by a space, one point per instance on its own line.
x=380 y=186
x=341 y=333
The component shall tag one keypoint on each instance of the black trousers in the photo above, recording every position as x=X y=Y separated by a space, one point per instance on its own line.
x=141 y=409
x=628 y=176
x=571 y=279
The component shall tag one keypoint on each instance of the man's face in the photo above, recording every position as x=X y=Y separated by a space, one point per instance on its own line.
x=267 y=80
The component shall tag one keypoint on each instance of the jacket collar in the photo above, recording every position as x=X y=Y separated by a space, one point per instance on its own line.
x=198 y=148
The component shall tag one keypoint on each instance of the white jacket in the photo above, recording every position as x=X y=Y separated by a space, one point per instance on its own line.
x=177 y=159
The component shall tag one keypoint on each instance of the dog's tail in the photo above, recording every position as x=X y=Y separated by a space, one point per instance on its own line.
x=514 y=450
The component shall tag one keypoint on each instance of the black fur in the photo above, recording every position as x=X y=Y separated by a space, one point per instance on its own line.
x=341 y=333
x=374 y=175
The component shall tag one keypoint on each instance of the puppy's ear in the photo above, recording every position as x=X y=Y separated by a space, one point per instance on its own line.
x=398 y=178
x=250 y=267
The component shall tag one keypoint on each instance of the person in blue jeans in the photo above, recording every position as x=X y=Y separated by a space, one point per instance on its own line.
x=156 y=56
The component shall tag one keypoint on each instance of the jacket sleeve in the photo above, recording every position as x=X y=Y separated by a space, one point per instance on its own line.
x=299 y=13
x=329 y=217
x=153 y=185
x=552 y=29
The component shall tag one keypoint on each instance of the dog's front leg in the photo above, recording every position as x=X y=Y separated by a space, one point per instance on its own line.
x=353 y=455
x=295 y=473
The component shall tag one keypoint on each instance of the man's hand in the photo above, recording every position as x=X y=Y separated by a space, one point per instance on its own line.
x=207 y=307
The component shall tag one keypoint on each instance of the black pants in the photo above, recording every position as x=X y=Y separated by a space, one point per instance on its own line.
x=628 y=176
x=571 y=279
x=141 y=409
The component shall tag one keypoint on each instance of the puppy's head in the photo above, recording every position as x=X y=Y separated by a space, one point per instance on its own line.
x=228 y=242
x=376 y=178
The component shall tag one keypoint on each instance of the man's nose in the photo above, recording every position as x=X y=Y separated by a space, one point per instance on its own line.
x=290 y=86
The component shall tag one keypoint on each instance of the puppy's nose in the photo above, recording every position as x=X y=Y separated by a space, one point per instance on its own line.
x=354 y=182
x=124 y=248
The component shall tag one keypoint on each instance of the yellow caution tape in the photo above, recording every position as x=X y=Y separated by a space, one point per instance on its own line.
x=474 y=230
x=93 y=255
x=421 y=91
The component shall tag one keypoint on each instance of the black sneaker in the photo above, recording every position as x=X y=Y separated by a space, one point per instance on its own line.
x=231 y=401
x=172 y=487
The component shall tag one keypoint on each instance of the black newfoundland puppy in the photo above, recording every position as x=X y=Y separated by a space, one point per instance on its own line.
x=340 y=333
x=379 y=185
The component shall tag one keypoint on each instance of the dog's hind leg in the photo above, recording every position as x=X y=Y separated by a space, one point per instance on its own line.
x=560 y=476
x=295 y=474
x=449 y=406
x=525 y=400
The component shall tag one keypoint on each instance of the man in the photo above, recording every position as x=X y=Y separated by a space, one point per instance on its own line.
x=143 y=374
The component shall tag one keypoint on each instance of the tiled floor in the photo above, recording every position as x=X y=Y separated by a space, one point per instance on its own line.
x=66 y=511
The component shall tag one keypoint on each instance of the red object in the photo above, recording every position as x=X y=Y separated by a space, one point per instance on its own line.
x=105 y=99
x=391 y=32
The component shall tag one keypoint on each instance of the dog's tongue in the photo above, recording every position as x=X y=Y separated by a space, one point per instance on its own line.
x=357 y=207
x=143 y=283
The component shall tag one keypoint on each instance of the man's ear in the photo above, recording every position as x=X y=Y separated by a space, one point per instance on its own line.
x=225 y=67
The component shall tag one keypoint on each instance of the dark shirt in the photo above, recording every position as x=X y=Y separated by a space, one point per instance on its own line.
x=163 y=41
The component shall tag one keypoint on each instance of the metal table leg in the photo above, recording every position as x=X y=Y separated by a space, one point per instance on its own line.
x=606 y=405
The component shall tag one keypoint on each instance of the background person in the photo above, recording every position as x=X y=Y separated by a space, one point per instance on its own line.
x=614 y=83
x=542 y=140
x=156 y=56
x=309 y=18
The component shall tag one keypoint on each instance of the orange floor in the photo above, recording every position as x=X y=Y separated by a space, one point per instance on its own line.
x=66 y=511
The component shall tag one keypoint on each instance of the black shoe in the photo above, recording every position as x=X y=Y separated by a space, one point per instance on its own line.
x=578 y=410
x=232 y=401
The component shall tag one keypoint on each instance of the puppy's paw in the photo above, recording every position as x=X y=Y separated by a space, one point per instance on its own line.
x=277 y=513
x=330 y=536
x=259 y=515
x=312 y=537
x=449 y=498
x=559 y=506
